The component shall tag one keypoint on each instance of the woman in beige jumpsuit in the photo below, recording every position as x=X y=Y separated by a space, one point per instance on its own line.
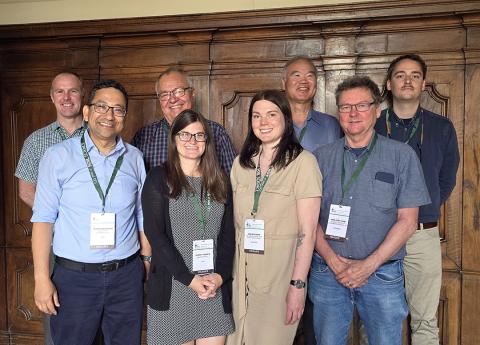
x=269 y=282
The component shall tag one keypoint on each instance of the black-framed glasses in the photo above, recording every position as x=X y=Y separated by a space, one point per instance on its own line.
x=102 y=108
x=363 y=106
x=186 y=136
x=178 y=92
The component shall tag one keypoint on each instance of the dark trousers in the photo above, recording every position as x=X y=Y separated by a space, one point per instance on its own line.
x=89 y=300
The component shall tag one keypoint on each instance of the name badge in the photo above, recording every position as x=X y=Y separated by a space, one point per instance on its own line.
x=338 y=222
x=254 y=241
x=202 y=256
x=102 y=230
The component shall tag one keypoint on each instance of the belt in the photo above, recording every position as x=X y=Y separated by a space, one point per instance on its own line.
x=94 y=267
x=426 y=225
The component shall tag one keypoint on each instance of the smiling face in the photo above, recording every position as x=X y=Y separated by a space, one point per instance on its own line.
x=66 y=95
x=268 y=122
x=358 y=125
x=300 y=82
x=192 y=149
x=407 y=81
x=105 y=127
x=173 y=106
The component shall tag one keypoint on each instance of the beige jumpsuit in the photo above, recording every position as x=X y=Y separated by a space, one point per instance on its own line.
x=261 y=282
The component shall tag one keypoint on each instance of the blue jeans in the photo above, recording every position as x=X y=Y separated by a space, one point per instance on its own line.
x=380 y=303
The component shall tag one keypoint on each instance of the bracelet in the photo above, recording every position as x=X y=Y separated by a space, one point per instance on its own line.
x=147 y=258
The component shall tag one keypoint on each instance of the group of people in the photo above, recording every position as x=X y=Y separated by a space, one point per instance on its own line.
x=229 y=245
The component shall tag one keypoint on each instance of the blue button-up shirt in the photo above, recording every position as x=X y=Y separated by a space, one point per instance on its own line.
x=321 y=129
x=66 y=197
x=391 y=179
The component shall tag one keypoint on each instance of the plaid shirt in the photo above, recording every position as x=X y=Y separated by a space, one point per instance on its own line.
x=152 y=141
x=35 y=146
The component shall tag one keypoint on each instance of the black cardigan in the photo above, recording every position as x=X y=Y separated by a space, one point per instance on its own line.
x=166 y=260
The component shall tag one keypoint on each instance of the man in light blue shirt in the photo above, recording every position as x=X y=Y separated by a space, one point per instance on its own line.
x=312 y=128
x=89 y=189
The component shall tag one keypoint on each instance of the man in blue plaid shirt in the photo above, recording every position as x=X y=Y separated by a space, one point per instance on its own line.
x=175 y=95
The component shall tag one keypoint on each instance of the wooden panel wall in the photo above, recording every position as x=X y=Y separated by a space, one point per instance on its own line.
x=230 y=56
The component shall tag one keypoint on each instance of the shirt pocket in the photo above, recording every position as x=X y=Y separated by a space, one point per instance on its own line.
x=383 y=195
x=280 y=197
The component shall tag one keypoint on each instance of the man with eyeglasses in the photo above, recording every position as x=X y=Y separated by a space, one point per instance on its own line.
x=66 y=93
x=175 y=95
x=373 y=187
x=89 y=190
x=434 y=140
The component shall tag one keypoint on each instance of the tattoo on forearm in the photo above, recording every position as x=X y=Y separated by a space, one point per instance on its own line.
x=300 y=239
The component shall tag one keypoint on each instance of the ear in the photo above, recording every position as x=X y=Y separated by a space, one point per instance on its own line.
x=378 y=110
x=194 y=94
x=423 y=85
x=51 y=97
x=389 y=87
x=283 y=83
x=86 y=110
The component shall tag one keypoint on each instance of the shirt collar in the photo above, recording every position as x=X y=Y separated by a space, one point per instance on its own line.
x=56 y=125
x=401 y=121
x=367 y=149
x=120 y=147
x=164 y=125
x=309 y=117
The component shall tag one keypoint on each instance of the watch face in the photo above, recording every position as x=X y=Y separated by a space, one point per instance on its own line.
x=298 y=283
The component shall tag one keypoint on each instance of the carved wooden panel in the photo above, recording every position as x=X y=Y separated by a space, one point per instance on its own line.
x=3 y=293
x=23 y=314
x=27 y=115
x=231 y=56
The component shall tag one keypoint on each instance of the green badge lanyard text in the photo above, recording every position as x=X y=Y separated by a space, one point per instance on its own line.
x=201 y=211
x=358 y=170
x=93 y=175
x=259 y=184
x=412 y=131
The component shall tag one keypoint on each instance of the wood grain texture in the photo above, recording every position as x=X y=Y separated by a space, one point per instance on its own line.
x=231 y=56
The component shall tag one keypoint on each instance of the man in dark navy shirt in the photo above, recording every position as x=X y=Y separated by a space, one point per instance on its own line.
x=434 y=140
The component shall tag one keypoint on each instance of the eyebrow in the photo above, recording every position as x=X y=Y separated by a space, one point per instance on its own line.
x=105 y=102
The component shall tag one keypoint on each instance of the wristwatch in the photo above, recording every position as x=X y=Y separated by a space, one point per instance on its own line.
x=147 y=258
x=299 y=284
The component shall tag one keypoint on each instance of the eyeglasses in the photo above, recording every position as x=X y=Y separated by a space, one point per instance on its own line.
x=103 y=109
x=186 y=136
x=346 y=108
x=178 y=92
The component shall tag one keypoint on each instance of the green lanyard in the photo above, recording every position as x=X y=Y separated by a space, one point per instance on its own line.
x=93 y=175
x=259 y=184
x=302 y=133
x=412 y=131
x=165 y=126
x=358 y=170
x=201 y=212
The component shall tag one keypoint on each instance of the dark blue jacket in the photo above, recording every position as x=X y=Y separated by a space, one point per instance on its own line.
x=438 y=153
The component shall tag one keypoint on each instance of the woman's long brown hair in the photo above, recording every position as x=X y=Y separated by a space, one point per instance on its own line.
x=214 y=180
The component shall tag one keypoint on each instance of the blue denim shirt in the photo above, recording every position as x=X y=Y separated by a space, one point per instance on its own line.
x=66 y=197
x=321 y=129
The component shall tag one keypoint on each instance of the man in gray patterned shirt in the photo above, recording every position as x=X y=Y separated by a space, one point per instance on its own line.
x=66 y=93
